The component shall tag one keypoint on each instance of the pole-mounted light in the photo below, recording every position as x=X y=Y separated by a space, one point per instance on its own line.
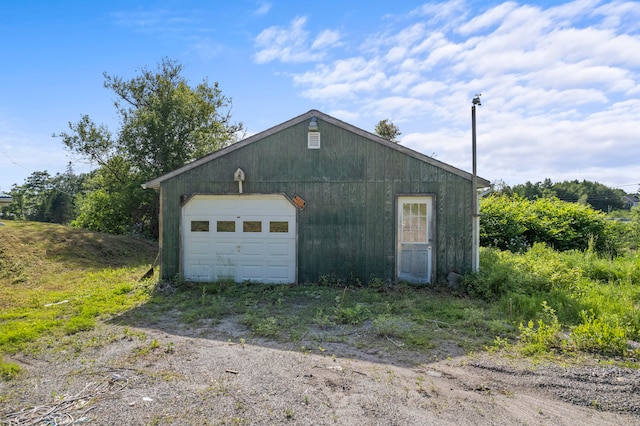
x=475 y=214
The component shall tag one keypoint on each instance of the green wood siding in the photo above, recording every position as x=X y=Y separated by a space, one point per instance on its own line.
x=350 y=184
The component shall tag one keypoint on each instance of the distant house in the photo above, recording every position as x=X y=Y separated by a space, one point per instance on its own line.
x=5 y=200
x=630 y=201
x=316 y=197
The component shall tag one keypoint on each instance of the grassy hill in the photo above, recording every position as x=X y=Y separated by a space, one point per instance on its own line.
x=57 y=280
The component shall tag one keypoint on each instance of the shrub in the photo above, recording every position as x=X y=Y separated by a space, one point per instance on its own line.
x=501 y=273
x=600 y=335
x=515 y=224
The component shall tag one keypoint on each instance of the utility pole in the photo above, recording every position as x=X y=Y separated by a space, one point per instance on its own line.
x=475 y=214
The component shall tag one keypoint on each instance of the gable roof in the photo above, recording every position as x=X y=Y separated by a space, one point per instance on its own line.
x=155 y=183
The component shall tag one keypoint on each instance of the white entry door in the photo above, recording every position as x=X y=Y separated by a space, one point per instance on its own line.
x=415 y=239
x=239 y=237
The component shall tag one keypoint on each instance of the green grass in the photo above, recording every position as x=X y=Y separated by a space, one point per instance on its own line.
x=415 y=318
x=595 y=300
x=58 y=281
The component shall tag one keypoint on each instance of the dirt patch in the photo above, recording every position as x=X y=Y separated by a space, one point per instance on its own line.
x=215 y=374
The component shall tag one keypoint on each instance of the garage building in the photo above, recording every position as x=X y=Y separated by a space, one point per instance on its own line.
x=316 y=197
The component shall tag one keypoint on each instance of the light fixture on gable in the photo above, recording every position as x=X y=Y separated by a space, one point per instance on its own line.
x=313 y=137
x=313 y=124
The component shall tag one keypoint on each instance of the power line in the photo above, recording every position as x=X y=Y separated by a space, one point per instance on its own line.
x=12 y=160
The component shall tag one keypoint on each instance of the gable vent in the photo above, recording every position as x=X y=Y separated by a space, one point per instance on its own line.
x=313 y=140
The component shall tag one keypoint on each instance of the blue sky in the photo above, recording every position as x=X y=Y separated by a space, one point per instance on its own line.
x=559 y=80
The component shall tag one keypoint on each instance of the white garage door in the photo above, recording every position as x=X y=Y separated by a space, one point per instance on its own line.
x=239 y=237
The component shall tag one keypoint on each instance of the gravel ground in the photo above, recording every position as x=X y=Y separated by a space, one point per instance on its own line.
x=118 y=375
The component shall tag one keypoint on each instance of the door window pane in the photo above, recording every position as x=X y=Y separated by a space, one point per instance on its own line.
x=251 y=226
x=414 y=222
x=226 y=226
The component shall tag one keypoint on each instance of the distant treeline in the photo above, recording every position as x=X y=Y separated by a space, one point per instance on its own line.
x=598 y=196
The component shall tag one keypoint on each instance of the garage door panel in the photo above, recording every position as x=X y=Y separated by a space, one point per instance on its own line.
x=253 y=273
x=223 y=272
x=222 y=247
x=199 y=248
x=240 y=253
x=252 y=249
x=201 y=272
x=279 y=249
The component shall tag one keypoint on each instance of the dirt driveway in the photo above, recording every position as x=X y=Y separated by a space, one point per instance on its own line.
x=128 y=375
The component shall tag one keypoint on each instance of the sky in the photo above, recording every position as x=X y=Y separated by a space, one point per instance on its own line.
x=559 y=81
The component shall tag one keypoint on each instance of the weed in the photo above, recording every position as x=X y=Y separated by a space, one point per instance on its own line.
x=601 y=335
x=330 y=281
x=392 y=326
x=8 y=370
x=498 y=344
x=377 y=284
x=351 y=315
x=265 y=327
x=122 y=289
x=322 y=319
x=543 y=336
x=288 y=413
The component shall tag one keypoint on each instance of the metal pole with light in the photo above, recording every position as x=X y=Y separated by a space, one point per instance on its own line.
x=475 y=214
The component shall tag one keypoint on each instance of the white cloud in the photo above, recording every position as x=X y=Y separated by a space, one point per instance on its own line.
x=343 y=79
x=153 y=20
x=291 y=44
x=488 y=19
x=327 y=38
x=207 y=48
x=262 y=9
x=560 y=85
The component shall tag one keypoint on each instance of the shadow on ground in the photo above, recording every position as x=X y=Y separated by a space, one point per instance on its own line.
x=290 y=329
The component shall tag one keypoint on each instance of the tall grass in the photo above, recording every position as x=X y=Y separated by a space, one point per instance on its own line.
x=595 y=299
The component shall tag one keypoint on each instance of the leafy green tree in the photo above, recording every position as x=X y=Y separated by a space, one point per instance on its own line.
x=164 y=124
x=115 y=206
x=46 y=198
x=597 y=195
x=532 y=191
x=387 y=130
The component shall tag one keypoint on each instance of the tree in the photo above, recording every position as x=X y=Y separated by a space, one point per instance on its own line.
x=164 y=124
x=595 y=194
x=387 y=130
x=46 y=198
